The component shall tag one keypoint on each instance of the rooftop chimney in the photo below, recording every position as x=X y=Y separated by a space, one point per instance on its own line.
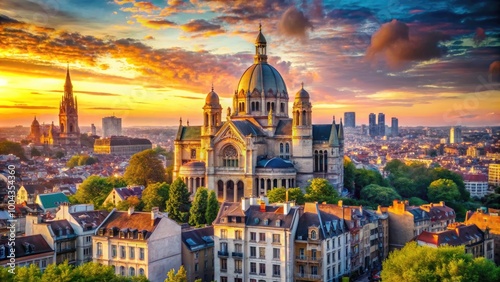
x=155 y=213
x=286 y=208
x=245 y=204
x=262 y=206
x=341 y=203
x=441 y=203
x=130 y=210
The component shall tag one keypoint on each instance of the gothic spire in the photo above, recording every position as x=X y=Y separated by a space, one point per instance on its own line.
x=68 y=86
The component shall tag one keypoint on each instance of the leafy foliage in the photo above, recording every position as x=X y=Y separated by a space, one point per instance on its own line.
x=180 y=276
x=443 y=190
x=199 y=207
x=278 y=195
x=437 y=264
x=416 y=201
x=95 y=189
x=349 y=174
x=78 y=160
x=378 y=194
x=320 y=190
x=155 y=195
x=145 y=168
x=212 y=207
x=365 y=177
x=441 y=173
x=178 y=201
x=132 y=201
x=8 y=147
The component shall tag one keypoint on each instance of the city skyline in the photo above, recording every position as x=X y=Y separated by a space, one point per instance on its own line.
x=151 y=63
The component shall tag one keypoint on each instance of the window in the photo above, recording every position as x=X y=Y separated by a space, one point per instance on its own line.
x=99 y=249
x=206 y=264
x=196 y=267
x=313 y=254
x=141 y=253
x=253 y=252
x=88 y=239
x=238 y=266
x=313 y=234
x=282 y=107
x=113 y=251
x=223 y=265
x=223 y=247
x=122 y=252
x=237 y=234
x=131 y=253
x=314 y=270
x=302 y=253
x=253 y=267
x=193 y=154
x=223 y=279
x=141 y=271
x=276 y=238
x=238 y=248
x=131 y=271
x=276 y=253
x=253 y=236
x=328 y=258
x=276 y=270
x=122 y=270
x=229 y=157
x=262 y=237
x=262 y=268
x=262 y=252
x=223 y=234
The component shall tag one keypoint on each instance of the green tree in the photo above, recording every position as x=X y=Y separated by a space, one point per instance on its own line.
x=58 y=272
x=405 y=187
x=169 y=174
x=132 y=201
x=35 y=152
x=212 y=207
x=198 y=208
x=491 y=201
x=396 y=168
x=28 y=274
x=320 y=190
x=416 y=201
x=443 y=190
x=437 y=264
x=180 y=276
x=365 y=177
x=145 y=168
x=73 y=161
x=155 y=195
x=95 y=189
x=379 y=195
x=278 y=195
x=442 y=173
x=7 y=147
x=349 y=174
x=178 y=201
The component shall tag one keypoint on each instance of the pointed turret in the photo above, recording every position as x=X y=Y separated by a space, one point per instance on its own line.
x=68 y=86
x=341 y=130
x=334 y=138
x=260 y=47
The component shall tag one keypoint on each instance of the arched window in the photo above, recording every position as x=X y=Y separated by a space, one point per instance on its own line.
x=304 y=118
x=281 y=150
x=282 y=107
x=114 y=269
x=313 y=234
x=230 y=157
x=297 y=115
x=316 y=161
x=320 y=160
x=257 y=106
x=287 y=151
x=99 y=249
x=253 y=106
x=131 y=271
x=141 y=271
x=206 y=118
x=325 y=160
x=122 y=270
x=272 y=106
x=268 y=107
x=71 y=128
x=62 y=127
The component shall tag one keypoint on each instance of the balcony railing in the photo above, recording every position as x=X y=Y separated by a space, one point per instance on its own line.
x=308 y=276
x=309 y=259
x=237 y=254
x=223 y=254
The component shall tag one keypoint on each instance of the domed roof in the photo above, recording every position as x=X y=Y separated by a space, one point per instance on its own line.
x=35 y=123
x=302 y=94
x=212 y=99
x=262 y=76
x=275 y=163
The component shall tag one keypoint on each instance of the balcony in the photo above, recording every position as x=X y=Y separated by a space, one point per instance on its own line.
x=223 y=254
x=307 y=276
x=237 y=254
x=309 y=259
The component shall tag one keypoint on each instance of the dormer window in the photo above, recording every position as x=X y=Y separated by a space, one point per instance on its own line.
x=313 y=235
x=278 y=223
x=2 y=251
x=266 y=221
x=101 y=232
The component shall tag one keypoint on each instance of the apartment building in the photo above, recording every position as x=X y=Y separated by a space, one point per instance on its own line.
x=138 y=243
x=254 y=241
x=29 y=250
x=487 y=220
x=406 y=222
x=440 y=214
x=198 y=253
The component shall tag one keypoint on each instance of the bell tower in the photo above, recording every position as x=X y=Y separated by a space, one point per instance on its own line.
x=68 y=115
x=212 y=114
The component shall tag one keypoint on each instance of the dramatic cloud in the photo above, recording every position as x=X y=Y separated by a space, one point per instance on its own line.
x=154 y=23
x=294 y=23
x=149 y=37
x=393 y=40
x=202 y=26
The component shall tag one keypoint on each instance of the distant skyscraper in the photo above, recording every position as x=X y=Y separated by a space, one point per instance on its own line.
x=372 y=127
x=111 y=126
x=394 y=127
x=93 y=130
x=381 y=124
x=350 y=119
x=455 y=135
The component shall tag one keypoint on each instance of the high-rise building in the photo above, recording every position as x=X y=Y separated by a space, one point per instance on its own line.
x=350 y=119
x=381 y=124
x=372 y=127
x=93 y=129
x=394 y=127
x=111 y=126
x=455 y=135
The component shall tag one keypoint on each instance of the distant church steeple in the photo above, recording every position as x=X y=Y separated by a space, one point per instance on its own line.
x=68 y=114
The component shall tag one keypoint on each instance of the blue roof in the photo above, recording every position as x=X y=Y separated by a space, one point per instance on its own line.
x=275 y=163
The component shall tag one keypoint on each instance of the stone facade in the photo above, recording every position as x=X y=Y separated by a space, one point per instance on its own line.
x=258 y=147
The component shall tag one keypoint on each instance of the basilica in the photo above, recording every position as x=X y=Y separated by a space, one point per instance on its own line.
x=68 y=132
x=259 y=147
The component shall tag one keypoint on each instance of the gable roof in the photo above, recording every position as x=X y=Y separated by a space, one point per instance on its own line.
x=26 y=246
x=90 y=220
x=52 y=200
x=34 y=189
x=61 y=227
x=189 y=133
x=245 y=127
x=321 y=132
x=284 y=127
x=269 y=217
x=140 y=221
x=125 y=192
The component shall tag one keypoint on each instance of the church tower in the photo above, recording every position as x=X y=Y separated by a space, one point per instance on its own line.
x=302 y=139
x=212 y=114
x=68 y=115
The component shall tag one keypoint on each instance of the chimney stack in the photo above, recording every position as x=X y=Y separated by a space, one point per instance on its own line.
x=262 y=206
x=131 y=210
x=341 y=203
x=286 y=208
x=245 y=203
x=155 y=213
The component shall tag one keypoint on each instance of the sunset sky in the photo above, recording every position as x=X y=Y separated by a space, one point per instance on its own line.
x=150 y=62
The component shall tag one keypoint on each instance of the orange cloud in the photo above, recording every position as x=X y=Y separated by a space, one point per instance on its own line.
x=155 y=24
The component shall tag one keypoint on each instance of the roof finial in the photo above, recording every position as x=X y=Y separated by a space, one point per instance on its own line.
x=302 y=85
x=260 y=26
x=333 y=119
x=212 y=86
x=180 y=121
x=188 y=122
